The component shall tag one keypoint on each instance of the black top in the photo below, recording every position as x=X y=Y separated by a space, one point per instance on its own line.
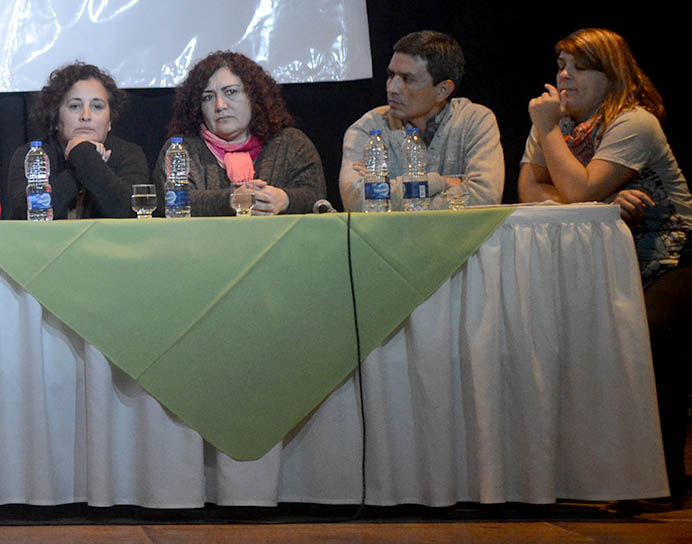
x=106 y=187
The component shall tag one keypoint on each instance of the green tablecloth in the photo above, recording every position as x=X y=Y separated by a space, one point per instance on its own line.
x=240 y=327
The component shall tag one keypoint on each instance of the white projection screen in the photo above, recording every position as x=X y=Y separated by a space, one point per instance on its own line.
x=153 y=43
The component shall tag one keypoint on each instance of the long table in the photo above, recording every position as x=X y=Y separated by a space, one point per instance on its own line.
x=525 y=376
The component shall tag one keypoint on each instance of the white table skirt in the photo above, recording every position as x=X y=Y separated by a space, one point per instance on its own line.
x=526 y=377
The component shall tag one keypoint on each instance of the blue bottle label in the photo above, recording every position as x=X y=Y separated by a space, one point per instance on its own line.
x=177 y=197
x=415 y=189
x=41 y=201
x=377 y=191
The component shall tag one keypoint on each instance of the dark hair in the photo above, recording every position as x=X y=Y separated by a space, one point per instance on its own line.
x=443 y=54
x=50 y=97
x=605 y=51
x=268 y=109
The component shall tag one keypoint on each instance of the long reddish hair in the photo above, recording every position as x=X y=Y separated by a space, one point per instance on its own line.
x=608 y=52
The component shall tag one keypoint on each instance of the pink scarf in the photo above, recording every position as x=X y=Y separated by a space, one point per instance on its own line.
x=236 y=158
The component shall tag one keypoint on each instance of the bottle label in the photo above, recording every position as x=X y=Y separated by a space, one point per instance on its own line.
x=177 y=197
x=378 y=190
x=415 y=189
x=41 y=201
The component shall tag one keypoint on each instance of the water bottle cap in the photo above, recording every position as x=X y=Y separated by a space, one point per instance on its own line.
x=35 y=143
x=176 y=139
x=412 y=130
x=375 y=132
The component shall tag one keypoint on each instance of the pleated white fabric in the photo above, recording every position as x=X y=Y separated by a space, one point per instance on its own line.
x=526 y=377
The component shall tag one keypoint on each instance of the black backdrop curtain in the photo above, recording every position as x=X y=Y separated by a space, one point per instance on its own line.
x=509 y=56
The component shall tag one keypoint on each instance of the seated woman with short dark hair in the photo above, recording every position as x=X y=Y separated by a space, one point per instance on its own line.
x=91 y=170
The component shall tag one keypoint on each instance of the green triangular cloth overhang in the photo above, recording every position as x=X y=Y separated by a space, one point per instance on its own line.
x=241 y=327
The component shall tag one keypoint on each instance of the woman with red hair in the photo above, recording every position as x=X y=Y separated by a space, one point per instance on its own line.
x=597 y=136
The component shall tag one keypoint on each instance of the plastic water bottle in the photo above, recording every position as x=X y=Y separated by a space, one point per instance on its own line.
x=416 y=191
x=177 y=187
x=376 y=189
x=39 y=202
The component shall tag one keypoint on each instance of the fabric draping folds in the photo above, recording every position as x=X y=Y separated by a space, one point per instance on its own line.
x=526 y=376
x=241 y=327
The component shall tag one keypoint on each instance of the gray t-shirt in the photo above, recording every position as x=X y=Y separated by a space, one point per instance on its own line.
x=636 y=140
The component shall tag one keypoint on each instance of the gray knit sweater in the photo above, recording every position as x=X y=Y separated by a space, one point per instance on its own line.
x=288 y=161
x=465 y=145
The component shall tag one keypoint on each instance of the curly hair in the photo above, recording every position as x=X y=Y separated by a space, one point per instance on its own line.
x=605 y=51
x=268 y=109
x=45 y=111
x=442 y=53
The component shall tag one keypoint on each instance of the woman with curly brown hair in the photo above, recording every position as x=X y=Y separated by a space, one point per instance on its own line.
x=91 y=171
x=236 y=128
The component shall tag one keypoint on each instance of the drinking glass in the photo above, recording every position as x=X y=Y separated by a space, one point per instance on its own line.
x=457 y=197
x=143 y=200
x=242 y=201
